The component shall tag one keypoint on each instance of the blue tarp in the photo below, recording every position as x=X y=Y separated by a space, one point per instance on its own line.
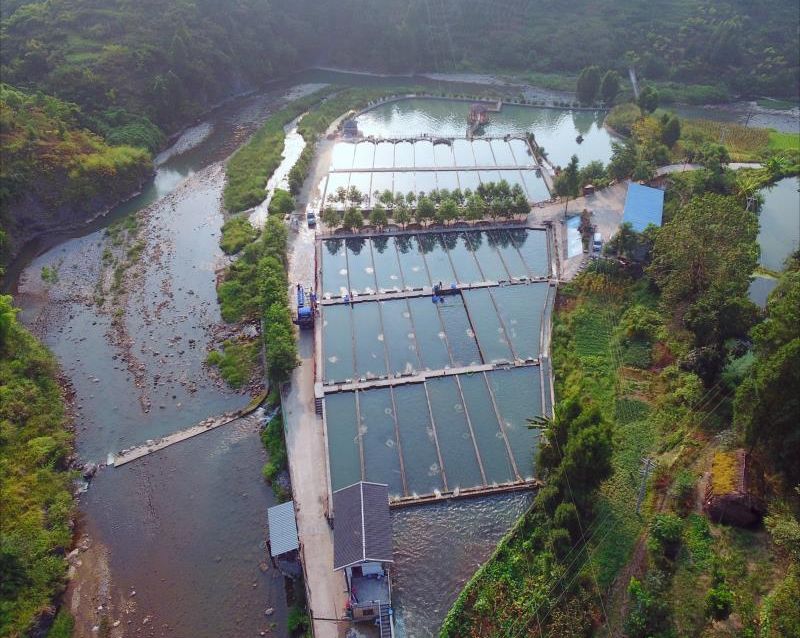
x=643 y=206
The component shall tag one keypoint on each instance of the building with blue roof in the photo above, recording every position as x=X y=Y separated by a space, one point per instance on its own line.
x=643 y=206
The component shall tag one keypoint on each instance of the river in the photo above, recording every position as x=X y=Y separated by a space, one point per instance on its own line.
x=181 y=533
x=184 y=529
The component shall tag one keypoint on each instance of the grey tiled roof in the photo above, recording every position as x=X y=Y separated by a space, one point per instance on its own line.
x=282 y=528
x=362 y=527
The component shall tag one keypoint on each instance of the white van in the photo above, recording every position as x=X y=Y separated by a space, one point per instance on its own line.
x=597 y=243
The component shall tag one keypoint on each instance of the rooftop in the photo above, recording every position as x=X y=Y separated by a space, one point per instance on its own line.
x=643 y=206
x=282 y=529
x=362 y=527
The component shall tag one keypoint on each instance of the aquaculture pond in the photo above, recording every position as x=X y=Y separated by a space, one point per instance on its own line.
x=445 y=434
x=557 y=130
x=364 y=265
x=779 y=222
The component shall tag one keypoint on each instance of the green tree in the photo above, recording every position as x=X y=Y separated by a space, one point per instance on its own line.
x=609 y=86
x=648 y=100
x=588 y=84
x=425 y=210
x=353 y=219
x=671 y=129
x=708 y=246
x=354 y=196
x=475 y=209
x=624 y=157
x=768 y=400
x=448 y=211
x=378 y=217
x=401 y=214
x=386 y=197
x=567 y=182
x=331 y=217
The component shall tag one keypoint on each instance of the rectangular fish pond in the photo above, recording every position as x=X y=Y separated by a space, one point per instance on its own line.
x=446 y=434
x=365 y=265
x=433 y=396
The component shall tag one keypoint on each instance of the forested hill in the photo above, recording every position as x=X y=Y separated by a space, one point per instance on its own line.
x=751 y=46
x=166 y=60
x=90 y=82
x=131 y=72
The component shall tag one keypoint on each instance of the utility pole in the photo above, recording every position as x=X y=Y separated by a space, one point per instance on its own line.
x=644 y=472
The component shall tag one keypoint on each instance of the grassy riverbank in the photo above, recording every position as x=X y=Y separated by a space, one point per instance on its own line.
x=249 y=169
x=35 y=481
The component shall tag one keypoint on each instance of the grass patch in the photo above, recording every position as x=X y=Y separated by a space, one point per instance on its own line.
x=237 y=232
x=249 y=169
x=743 y=143
x=275 y=444
x=779 y=141
x=237 y=361
x=778 y=105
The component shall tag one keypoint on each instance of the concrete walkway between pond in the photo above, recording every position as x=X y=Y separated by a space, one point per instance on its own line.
x=308 y=461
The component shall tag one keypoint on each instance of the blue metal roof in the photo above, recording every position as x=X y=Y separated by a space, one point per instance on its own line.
x=282 y=528
x=643 y=206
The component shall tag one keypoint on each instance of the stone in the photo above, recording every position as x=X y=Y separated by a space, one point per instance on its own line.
x=89 y=470
x=269 y=611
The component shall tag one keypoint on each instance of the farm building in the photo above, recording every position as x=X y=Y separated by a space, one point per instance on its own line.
x=643 y=206
x=732 y=494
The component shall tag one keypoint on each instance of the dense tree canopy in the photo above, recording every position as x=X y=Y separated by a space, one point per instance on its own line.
x=767 y=406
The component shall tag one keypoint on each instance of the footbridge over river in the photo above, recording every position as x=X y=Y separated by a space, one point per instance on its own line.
x=206 y=425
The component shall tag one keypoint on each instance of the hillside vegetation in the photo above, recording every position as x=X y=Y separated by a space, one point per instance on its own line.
x=750 y=47
x=53 y=169
x=34 y=480
x=668 y=350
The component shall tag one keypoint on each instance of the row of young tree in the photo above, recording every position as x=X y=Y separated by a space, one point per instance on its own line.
x=492 y=199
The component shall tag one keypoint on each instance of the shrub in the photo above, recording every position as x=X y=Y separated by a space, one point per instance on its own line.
x=237 y=232
x=566 y=516
x=683 y=491
x=559 y=542
x=719 y=602
x=297 y=620
x=665 y=535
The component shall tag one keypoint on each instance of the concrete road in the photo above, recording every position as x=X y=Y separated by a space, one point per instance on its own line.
x=308 y=461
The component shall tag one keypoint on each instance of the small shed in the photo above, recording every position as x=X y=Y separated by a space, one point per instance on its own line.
x=283 y=543
x=733 y=494
x=282 y=529
x=643 y=206
x=362 y=527
x=362 y=548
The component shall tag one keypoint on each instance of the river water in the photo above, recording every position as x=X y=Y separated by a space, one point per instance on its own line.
x=185 y=527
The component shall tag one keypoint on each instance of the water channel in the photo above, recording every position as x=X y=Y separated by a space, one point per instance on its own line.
x=185 y=528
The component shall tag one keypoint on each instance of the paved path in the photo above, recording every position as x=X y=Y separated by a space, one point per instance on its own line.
x=683 y=168
x=607 y=206
x=305 y=445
